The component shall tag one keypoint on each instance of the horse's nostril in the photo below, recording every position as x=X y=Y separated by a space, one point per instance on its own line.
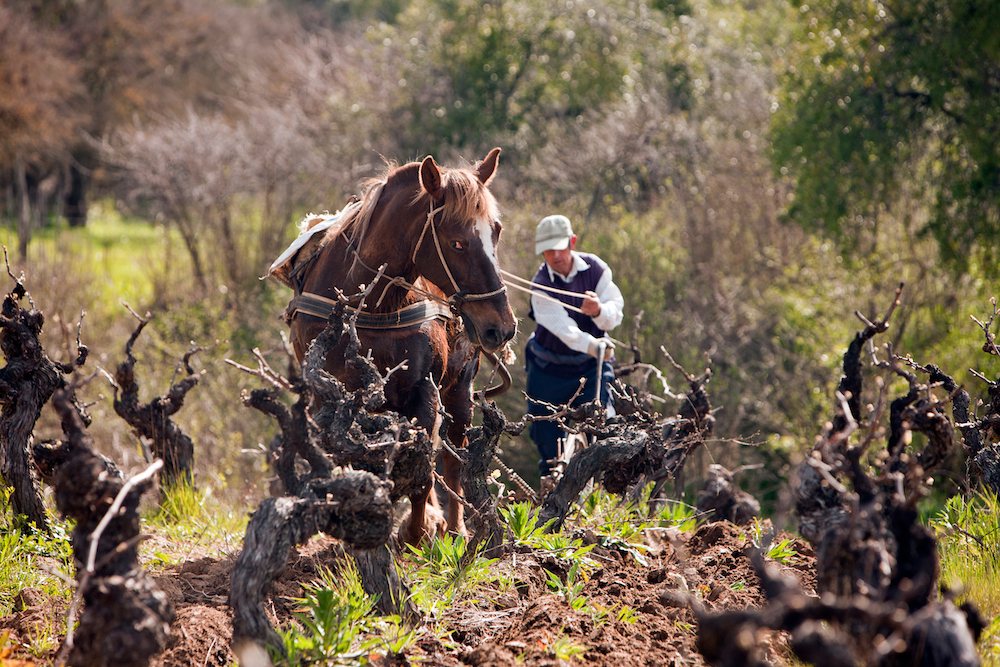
x=493 y=338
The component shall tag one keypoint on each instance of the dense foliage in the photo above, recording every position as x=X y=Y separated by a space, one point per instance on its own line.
x=897 y=101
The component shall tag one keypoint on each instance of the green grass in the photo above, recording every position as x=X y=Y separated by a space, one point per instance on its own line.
x=989 y=645
x=968 y=533
x=195 y=518
x=23 y=553
x=969 y=544
x=116 y=258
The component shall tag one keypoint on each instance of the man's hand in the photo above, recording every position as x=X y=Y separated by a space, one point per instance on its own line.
x=591 y=304
x=594 y=348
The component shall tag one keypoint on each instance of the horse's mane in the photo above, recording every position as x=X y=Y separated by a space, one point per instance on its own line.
x=465 y=198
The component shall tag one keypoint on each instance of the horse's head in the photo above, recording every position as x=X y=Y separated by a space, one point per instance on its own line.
x=456 y=248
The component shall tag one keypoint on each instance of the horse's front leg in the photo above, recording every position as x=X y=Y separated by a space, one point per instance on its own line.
x=457 y=401
x=425 y=520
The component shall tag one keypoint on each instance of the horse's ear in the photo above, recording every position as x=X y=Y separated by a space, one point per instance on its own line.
x=430 y=176
x=486 y=168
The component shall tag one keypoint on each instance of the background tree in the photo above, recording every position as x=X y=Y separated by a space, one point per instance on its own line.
x=896 y=100
x=40 y=112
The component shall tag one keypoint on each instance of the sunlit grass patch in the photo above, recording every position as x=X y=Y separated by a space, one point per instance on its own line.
x=194 y=518
x=113 y=258
x=968 y=533
x=989 y=645
x=969 y=546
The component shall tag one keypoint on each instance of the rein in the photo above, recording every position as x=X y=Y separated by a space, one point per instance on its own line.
x=517 y=282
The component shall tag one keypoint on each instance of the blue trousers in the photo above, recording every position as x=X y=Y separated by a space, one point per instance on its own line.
x=555 y=385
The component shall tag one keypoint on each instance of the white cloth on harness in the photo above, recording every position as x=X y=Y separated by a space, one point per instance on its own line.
x=328 y=221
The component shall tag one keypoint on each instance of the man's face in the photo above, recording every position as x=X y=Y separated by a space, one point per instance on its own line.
x=561 y=261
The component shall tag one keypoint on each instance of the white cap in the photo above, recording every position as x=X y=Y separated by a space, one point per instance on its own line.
x=553 y=233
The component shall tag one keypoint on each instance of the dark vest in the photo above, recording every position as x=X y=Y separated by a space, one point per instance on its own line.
x=582 y=282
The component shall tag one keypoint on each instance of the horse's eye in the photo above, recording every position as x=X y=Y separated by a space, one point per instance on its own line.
x=457 y=245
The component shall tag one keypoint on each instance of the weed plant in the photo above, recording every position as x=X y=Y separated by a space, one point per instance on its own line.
x=622 y=525
x=444 y=575
x=620 y=532
x=676 y=514
x=572 y=589
x=522 y=519
x=333 y=614
x=565 y=649
x=777 y=550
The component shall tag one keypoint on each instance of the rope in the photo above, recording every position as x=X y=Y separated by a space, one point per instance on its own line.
x=546 y=297
x=427 y=223
x=514 y=284
x=554 y=290
x=437 y=245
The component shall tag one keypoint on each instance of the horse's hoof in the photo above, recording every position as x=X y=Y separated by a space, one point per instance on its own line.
x=434 y=524
x=412 y=537
x=434 y=521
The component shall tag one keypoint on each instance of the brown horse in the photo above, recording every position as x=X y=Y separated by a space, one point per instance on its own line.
x=439 y=302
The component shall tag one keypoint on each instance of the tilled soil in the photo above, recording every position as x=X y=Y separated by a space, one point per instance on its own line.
x=527 y=625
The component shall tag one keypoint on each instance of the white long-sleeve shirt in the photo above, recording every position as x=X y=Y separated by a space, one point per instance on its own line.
x=555 y=318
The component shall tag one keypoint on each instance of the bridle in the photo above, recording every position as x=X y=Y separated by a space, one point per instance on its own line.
x=313 y=304
x=456 y=298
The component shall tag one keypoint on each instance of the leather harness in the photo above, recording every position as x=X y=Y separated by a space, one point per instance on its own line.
x=417 y=313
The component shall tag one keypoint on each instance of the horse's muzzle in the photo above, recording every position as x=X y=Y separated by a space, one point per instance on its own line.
x=491 y=338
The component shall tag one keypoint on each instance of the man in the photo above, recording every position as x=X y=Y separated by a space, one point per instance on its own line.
x=570 y=336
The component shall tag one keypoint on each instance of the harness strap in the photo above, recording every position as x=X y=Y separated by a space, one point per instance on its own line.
x=417 y=313
x=429 y=222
